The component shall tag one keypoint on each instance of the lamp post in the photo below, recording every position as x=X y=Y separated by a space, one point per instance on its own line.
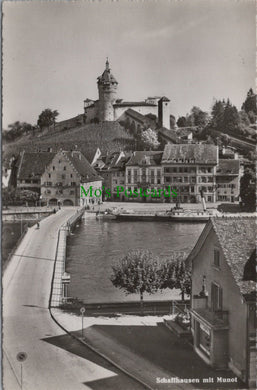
x=82 y=311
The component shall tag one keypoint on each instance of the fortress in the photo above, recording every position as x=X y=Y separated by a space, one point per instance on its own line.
x=109 y=108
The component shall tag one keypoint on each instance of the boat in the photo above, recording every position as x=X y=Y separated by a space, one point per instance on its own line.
x=176 y=216
x=105 y=215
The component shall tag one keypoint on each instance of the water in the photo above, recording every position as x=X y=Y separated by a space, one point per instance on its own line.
x=97 y=245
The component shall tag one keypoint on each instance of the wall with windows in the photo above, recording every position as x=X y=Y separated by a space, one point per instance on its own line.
x=144 y=177
x=190 y=180
x=222 y=292
x=60 y=181
x=228 y=188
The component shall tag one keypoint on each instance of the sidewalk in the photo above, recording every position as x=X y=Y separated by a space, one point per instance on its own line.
x=145 y=347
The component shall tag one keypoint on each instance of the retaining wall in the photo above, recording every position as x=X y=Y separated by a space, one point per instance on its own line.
x=57 y=290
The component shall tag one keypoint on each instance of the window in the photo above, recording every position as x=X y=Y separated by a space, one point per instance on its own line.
x=49 y=175
x=71 y=175
x=216 y=297
x=71 y=192
x=64 y=168
x=63 y=176
x=53 y=168
x=216 y=258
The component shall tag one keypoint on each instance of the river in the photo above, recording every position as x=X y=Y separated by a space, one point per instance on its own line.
x=97 y=245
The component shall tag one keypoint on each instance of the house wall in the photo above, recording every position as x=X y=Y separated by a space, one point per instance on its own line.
x=91 y=112
x=96 y=197
x=60 y=181
x=190 y=179
x=228 y=188
x=232 y=300
x=142 y=177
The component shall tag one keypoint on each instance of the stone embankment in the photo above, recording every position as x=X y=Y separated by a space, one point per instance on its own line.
x=58 y=290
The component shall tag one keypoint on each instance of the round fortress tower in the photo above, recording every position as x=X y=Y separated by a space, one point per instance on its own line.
x=107 y=89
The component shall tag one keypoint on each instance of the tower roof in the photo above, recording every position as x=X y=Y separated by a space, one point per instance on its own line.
x=107 y=77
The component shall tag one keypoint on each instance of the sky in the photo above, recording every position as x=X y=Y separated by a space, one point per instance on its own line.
x=192 y=51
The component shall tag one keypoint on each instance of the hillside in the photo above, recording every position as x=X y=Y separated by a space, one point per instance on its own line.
x=108 y=136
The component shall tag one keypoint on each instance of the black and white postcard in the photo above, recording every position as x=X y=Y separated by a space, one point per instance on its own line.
x=128 y=195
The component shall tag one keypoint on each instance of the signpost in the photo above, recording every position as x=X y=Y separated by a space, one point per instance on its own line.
x=82 y=311
x=21 y=357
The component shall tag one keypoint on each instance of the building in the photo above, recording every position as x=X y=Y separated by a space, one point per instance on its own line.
x=63 y=176
x=144 y=170
x=223 y=298
x=191 y=168
x=109 y=108
x=112 y=169
x=30 y=168
x=228 y=180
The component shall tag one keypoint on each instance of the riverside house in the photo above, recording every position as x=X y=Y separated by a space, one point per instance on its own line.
x=223 y=298
x=63 y=176
x=228 y=180
x=143 y=170
x=191 y=168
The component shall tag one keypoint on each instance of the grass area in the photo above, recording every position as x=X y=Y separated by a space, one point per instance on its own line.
x=108 y=136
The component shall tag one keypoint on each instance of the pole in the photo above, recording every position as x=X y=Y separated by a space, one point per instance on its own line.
x=82 y=333
x=21 y=376
x=21 y=224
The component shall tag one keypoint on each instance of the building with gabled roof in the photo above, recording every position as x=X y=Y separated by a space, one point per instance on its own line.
x=63 y=176
x=30 y=167
x=228 y=180
x=223 y=297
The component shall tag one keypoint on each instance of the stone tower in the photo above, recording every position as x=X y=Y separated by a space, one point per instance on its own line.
x=107 y=89
x=164 y=112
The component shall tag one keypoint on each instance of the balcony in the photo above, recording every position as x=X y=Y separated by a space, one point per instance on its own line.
x=217 y=319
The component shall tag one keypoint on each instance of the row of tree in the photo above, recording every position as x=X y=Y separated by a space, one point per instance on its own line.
x=224 y=116
x=139 y=272
x=15 y=130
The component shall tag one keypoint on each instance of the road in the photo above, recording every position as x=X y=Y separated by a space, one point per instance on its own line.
x=28 y=326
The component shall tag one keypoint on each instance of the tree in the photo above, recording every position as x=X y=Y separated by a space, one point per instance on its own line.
x=172 y=121
x=250 y=102
x=149 y=139
x=16 y=130
x=175 y=274
x=217 y=114
x=47 y=118
x=248 y=189
x=137 y=273
x=182 y=121
x=231 y=118
x=199 y=117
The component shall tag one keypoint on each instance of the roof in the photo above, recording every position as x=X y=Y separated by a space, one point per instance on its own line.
x=236 y=236
x=33 y=164
x=183 y=132
x=136 y=115
x=145 y=158
x=107 y=77
x=237 y=240
x=228 y=167
x=134 y=104
x=192 y=153
x=168 y=134
x=82 y=166
x=165 y=99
